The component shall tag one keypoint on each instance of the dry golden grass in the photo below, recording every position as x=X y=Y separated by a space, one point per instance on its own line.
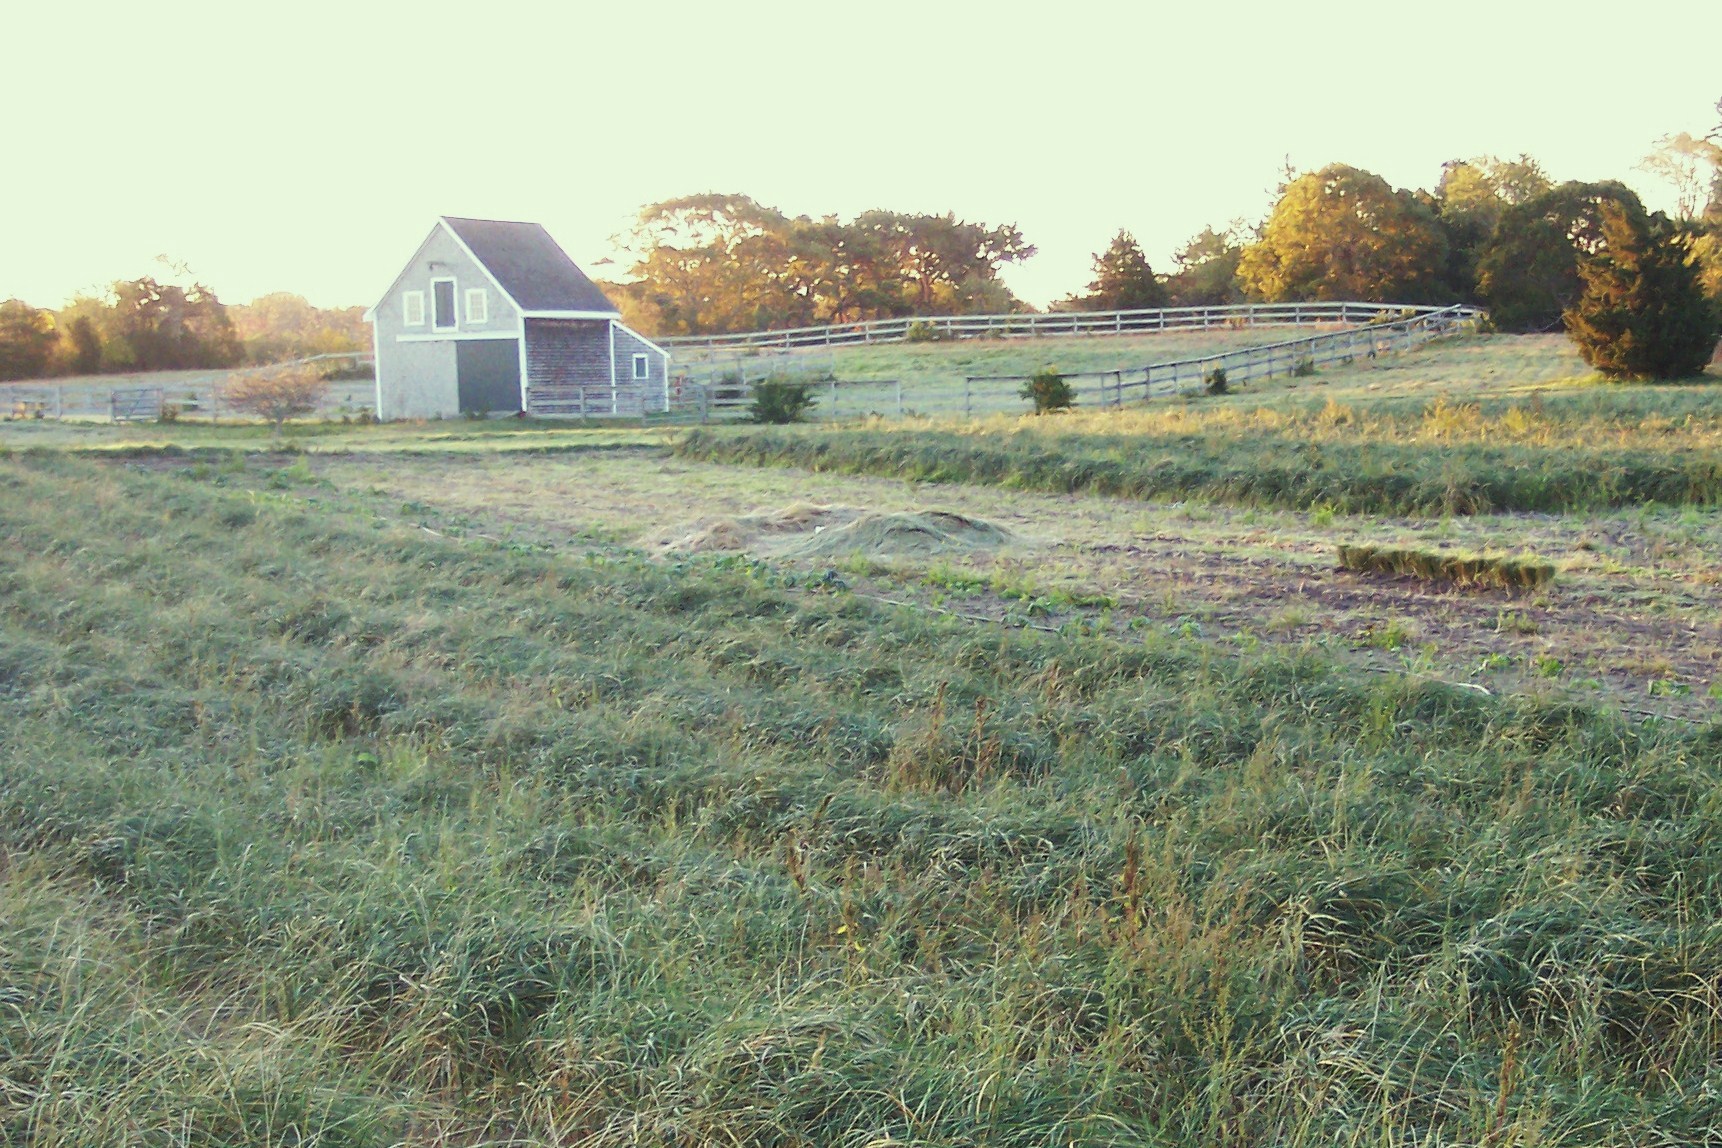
x=1496 y=571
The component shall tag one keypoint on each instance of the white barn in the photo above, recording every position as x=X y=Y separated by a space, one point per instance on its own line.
x=491 y=316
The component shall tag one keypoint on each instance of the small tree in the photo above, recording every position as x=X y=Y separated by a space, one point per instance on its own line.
x=275 y=396
x=780 y=401
x=1049 y=391
x=1123 y=280
x=1642 y=313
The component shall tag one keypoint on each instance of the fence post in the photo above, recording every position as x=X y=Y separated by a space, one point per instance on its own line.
x=834 y=398
x=899 y=398
x=968 y=409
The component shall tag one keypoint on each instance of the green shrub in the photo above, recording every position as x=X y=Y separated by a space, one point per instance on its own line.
x=1304 y=369
x=1048 y=391
x=1214 y=382
x=922 y=331
x=1642 y=313
x=779 y=401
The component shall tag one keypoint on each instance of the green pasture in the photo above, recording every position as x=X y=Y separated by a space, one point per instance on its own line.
x=316 y=828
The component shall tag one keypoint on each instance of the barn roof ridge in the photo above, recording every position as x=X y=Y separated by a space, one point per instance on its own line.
x=529 y=266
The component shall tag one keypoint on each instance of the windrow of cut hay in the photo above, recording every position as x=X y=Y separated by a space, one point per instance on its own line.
x=1273 y=461
x=316 y=828
x=1499 y=571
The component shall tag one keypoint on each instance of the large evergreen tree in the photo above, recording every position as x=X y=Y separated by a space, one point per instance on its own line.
x=1123 y=279
x=1641 y=313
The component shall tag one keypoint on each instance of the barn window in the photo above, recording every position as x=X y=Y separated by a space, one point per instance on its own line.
x=477 y=305
x=442 y=305
x=641 y=369
x=413 y=308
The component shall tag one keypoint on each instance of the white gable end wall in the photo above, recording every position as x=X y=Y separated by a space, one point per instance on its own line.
x=416 y=365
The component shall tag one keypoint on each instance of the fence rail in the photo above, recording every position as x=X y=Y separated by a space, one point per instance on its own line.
x=1137 y=322
x=144 y=397
x=1284 y=358
x=983 y=394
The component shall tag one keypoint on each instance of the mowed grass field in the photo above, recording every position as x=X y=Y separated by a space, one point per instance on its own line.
x=487 y=783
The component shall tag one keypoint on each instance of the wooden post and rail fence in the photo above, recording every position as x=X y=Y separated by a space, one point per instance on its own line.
x=1023 y=326
x=1113 y=387
x=715 y=374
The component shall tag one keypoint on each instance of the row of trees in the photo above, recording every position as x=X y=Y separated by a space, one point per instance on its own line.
x=1495 y=232
x=706 y=264
x=150 y=325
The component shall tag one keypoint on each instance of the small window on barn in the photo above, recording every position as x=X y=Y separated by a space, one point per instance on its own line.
x=413 y=308
x=477 y=305
x=443 y=317
x=642 y=369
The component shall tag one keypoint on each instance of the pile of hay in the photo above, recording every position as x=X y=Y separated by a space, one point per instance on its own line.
x=755 y=531
x=907 y=534
x=806 y=530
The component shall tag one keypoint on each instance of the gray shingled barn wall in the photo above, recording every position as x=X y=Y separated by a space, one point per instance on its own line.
x=568 y=368
x=651 y=391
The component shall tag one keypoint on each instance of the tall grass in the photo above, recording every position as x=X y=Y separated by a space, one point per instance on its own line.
x=1443 y=459
x=314 y=830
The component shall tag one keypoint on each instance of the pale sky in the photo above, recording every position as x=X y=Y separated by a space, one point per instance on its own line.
x=309 y=149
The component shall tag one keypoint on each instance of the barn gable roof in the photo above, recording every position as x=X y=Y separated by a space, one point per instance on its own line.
x=529 y=267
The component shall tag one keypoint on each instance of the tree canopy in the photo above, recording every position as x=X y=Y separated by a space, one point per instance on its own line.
x=1528 y=272
x=1207 y=269
x=1123 y=279
x=27 y=340
x=1345 y=233
x=723 y=262
x=280 y=326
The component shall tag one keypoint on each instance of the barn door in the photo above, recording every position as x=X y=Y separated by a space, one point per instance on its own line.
x=487 y=374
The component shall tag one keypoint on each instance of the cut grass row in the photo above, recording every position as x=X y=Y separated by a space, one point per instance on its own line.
x=319 y=830
x=1273 y=465
x=1503 y=572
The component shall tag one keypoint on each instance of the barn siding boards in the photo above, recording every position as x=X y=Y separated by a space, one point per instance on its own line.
x=417 y=380
x=629 y=344
x=568 y=367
